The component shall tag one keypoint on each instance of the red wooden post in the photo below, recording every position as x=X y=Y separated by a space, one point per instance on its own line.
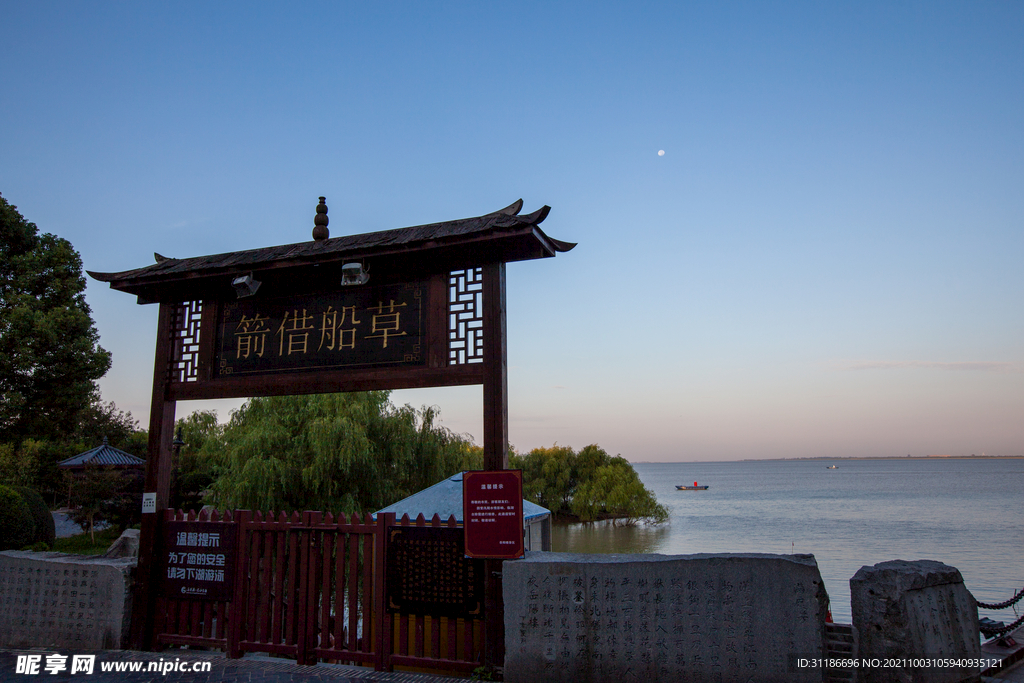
x=384 y=643
x=237 y=611
x=277 y=631
x=158 y=481
x=495 y=444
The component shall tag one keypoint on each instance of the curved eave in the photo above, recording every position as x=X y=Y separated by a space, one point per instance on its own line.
x=503 y=235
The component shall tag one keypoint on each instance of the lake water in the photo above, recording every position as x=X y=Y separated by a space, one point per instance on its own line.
x=966 y=513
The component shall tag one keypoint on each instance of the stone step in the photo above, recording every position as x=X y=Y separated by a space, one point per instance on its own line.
x=840 y=643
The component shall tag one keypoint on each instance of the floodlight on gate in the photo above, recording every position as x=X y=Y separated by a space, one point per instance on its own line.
x=245 y=285
x=354 y=274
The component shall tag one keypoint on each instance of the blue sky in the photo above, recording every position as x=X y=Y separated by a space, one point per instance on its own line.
x=825 y=261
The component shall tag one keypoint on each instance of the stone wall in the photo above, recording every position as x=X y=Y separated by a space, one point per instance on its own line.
x=61 y=601
x=678 y=618
x=914 y=610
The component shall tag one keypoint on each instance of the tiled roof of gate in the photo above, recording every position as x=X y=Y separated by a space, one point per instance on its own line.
x=420 y=236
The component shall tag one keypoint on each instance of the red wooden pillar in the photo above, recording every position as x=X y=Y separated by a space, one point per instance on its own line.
x=158 y=481
x=383 y=644
x=495 y=444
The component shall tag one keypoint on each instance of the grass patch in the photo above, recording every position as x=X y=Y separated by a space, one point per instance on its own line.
x=83 y=545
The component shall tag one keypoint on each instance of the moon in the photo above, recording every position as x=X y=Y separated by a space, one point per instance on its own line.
x=661 y=152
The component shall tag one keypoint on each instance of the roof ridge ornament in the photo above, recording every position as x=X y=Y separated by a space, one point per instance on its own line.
x=320 y=231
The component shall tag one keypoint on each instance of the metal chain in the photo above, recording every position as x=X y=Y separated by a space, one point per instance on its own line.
x=1002 y=605
x=1001 y=631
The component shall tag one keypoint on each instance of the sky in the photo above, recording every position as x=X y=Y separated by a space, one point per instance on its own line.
x=825 y=261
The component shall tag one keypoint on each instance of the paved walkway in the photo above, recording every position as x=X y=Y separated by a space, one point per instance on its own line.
x=1014 y=674
x=213 y=667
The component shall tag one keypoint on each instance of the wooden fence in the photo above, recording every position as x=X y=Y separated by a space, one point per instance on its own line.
x=311 y=587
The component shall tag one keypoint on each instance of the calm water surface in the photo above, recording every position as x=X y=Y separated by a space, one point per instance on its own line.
x=966 y=513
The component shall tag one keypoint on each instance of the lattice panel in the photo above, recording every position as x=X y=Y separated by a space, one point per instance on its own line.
x=466 y=316
x=185 y=341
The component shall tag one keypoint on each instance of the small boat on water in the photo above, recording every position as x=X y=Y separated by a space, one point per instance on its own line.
x=830 y=467
x=695 y=487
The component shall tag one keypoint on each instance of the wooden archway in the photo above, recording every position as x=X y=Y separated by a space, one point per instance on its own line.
x=431 y=313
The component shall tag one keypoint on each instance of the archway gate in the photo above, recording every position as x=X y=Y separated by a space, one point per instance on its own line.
x=413 y=307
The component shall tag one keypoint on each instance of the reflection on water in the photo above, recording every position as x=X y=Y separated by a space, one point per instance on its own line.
x=605 y=537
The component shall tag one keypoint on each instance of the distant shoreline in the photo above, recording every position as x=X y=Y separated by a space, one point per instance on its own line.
x=897 y=457
x=844 y=457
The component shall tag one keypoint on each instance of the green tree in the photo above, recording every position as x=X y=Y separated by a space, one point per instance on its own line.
x=550 y=476
x=588 y=485
x=195 y=468
x=99 y=420
x=95 y=493
x=49 y=355
x=352 y=452
x=16 y=524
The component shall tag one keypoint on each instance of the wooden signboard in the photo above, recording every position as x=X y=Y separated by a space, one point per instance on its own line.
x=492 y=508
x=198 y=560
x=349 y=328
x=428 y=573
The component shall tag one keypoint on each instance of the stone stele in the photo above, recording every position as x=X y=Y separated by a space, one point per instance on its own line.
x=914 y=610
x=62 y=601
x=679 y=618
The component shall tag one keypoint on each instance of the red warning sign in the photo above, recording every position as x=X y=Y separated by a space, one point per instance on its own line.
x=492 y=513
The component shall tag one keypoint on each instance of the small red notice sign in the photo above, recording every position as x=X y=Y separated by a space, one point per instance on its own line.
x=492 y=513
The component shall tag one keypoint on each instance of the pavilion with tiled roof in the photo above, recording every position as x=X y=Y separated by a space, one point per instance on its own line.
x=103 y=455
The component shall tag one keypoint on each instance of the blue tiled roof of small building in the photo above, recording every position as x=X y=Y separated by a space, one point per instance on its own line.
x=445 y=499
x=104 y=455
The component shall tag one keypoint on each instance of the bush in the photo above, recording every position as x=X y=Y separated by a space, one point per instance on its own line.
x=17 y=527
x=41 y=515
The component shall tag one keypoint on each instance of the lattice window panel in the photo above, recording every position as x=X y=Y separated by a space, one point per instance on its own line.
x=466 y=316
x=185 y=341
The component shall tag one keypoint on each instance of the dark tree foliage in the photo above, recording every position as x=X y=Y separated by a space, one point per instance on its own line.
x=196 y=462
x=33 y=462
x=106 y=494
x=49 y=355
x=99 y=420
x=45 y=529
x=17 y=526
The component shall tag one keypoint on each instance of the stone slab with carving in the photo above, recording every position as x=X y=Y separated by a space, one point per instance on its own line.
x=679 y=618
x=57 y=600
x=917 y=610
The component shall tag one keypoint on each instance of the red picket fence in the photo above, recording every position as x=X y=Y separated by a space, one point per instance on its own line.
x=310 y=586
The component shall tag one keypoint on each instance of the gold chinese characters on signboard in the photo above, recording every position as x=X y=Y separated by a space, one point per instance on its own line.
x=357 y=328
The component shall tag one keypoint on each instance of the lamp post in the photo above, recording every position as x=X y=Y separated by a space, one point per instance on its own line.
x=176 y=451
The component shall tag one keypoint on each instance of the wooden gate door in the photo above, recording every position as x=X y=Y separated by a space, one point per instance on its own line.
x=307 y=587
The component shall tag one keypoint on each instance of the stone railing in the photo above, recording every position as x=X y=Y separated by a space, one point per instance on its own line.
x=734 y=617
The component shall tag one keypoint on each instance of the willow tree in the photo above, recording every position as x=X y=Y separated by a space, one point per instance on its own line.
x=353 y=452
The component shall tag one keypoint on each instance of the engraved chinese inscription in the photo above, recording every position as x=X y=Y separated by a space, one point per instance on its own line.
x=663 y=620
x=52 y=603
x=429 y=573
